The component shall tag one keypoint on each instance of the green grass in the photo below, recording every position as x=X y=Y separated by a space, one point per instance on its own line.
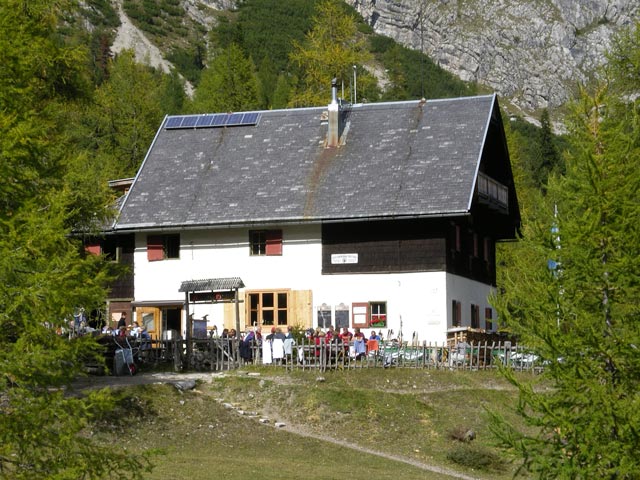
x=407 y=414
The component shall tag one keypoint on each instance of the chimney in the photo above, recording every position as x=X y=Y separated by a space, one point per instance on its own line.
x=333 y=135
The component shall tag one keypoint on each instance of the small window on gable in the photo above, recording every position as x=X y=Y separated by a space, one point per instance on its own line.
x=162 y=247
x=265 y=242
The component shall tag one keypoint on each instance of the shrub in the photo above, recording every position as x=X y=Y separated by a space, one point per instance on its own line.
x=478 y=458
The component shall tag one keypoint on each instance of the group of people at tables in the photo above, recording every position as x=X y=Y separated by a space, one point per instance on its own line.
x=278 y=345
x=355 y=345
x=124 y=330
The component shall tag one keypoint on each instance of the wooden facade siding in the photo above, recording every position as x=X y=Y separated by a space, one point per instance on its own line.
x=383 y=247
x=120 y=249
x=428 y=245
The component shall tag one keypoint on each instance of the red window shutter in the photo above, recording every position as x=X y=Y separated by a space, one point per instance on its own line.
x=155 y=248
x=274 y=242
x=93 y=249
x=360 y=315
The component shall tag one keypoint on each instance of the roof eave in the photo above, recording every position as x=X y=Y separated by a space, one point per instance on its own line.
x=122 y=228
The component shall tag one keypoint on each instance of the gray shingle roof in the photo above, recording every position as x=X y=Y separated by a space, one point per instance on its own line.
x=397 y=159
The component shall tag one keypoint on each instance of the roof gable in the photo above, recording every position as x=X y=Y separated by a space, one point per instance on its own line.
x=400 y=159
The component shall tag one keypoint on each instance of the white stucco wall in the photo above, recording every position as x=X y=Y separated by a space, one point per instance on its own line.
x=416 y=302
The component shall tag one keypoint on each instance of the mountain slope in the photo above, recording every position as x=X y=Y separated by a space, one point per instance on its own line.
x=533 y=53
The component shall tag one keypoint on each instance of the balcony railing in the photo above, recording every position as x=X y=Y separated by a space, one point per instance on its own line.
x=492 y=193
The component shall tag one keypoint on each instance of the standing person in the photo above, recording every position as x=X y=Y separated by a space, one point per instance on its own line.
x=251 y=341
x=123 y=320
x=289 y=341
x=272 y=335
x=289 y=333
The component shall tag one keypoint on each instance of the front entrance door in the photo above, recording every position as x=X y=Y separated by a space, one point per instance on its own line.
x=160 y=319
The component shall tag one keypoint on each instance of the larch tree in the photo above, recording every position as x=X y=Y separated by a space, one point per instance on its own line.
x=122 y=121
x=228 y=84
x=330 y=50
x=44 y=276
x=572 y=297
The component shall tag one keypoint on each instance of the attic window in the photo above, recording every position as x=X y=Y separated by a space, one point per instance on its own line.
x=212 y=120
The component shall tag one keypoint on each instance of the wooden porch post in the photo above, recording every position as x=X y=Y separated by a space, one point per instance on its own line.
x=188 y=332
x=237 y=314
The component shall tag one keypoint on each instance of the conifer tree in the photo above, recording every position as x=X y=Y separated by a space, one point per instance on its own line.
x=330 y=50
x=546 y=157
x=124 y=122
x=228 y=84
x=581 y=317
x=43 y=275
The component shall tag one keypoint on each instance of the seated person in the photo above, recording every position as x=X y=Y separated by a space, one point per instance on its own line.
x=359 y=344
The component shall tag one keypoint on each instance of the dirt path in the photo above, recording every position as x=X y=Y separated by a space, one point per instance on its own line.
x=297 y=430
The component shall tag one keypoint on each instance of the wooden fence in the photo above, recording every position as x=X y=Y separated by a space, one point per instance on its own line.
x=217 y=354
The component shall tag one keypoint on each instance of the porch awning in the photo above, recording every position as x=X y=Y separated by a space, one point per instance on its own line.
x=211 y=284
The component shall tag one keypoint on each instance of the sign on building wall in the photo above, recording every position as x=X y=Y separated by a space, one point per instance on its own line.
x=340 y=258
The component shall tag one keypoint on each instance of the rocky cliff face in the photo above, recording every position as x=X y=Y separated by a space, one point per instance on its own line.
x=532 y=52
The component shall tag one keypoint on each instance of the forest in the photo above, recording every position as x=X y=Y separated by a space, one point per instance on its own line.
x=73 y=116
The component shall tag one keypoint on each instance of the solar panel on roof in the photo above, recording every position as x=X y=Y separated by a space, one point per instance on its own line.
x=220 y=120
x=212 y=120
x=173 y=122
x=250 y=118
x=204 y=121
x=189 y=122
x=235 y=119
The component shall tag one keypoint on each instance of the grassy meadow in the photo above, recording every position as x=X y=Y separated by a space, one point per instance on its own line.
x=362 y=424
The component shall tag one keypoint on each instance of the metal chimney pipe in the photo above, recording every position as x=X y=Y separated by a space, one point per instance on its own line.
x=334 y=91
x=333 y=133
